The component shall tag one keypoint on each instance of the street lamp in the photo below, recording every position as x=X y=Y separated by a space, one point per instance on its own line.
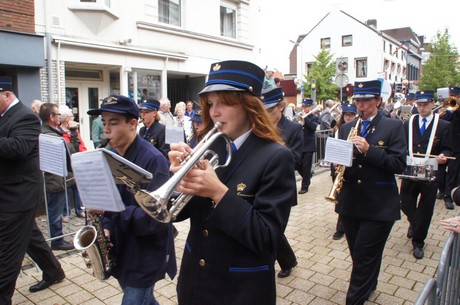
x=300 y=64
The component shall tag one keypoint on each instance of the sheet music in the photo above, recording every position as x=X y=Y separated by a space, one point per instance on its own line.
x=52 y=153
x=174 y=134
x=120 y=167
x=95 y=182
x=339 y=151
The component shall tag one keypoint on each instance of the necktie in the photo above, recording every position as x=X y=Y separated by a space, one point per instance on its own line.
x=365 y=128
x=423 y=128
x=234 y=149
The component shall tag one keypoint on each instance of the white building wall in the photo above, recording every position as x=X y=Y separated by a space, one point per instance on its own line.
x=367 y=43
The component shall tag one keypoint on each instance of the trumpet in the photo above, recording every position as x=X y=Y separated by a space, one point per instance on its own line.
x=452 y=103
x=156 y=203
x=300 y=118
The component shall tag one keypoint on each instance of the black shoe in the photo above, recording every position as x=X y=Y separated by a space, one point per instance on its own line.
x=337 y=235
x=64 y=246
x=418 y=253
x=286 y=272
x=410 y=233
x=440 y=195
x=449 y=203
x=303 y=191
x=45 y=284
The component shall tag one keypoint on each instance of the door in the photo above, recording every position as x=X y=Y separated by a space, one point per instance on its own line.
x=80 y=97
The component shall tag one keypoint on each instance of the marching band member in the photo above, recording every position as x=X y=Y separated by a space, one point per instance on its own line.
x=453 y=165
x=426 y=134
x=143 y=247
x=311 y=122
x=369 y=201
x=197 y=126
x=291 y=133
x=153 y=131
x=238 y=213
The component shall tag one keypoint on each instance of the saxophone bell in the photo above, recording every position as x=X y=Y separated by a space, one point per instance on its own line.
x=90 y=239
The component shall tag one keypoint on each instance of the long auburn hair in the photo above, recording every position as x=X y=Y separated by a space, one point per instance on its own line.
x=261 y=124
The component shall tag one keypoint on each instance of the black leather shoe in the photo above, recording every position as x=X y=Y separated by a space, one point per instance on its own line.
x=64 y=246
x=286 y=272
x=303 y=191
x=449 y=203
x=440 y=195
x=337 y=235
x=410 y=233
x=418 y=253
x=45 y=284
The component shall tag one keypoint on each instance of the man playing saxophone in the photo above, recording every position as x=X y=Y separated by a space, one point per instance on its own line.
x=368 y=202
x=142 y=246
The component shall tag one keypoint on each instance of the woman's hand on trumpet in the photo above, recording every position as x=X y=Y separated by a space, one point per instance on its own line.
x=199 y=181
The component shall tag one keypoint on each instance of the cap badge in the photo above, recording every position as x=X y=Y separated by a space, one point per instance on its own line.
x=381 y=143
x=240 y=187
x=111 y=100
x=360 y=85
x=422 y=92
x=216 y=67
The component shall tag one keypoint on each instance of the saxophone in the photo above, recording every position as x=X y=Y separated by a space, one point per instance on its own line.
x=91 y=240
x=340 y=170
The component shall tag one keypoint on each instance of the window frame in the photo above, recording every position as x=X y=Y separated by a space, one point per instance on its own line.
x=169 y=20
x=323 y=45
x=344 y=43
x=360 y=66
x=222 y=31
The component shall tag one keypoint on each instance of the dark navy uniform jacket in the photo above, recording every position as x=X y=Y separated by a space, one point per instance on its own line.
x=143 y=247
x=309 y=139
x=292 y=135
x=156 y=136
x=230 y=250
x=369 y=189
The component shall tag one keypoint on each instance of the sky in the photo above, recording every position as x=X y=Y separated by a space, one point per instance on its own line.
x=284 y=20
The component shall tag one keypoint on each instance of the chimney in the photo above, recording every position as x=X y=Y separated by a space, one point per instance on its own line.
x=372 y=23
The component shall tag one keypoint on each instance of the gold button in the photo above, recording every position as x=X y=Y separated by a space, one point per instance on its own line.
x=359 y=181
x=205 y=233
x=202 y=262
x=360 y=166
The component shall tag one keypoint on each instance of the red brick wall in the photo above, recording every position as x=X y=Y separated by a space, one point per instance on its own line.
x=17 y=15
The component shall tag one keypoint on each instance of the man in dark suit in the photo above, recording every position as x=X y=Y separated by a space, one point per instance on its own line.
x=310 y=123
x=369 y=201
x=291 y=132
x=426 y=135
x=20 y=184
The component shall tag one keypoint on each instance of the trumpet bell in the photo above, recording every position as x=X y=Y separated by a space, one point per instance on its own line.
x=153 y=205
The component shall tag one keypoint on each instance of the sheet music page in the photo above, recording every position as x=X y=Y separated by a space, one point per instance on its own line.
x=121 y=167
x=52 y=153
x=174 y=134
x=339 y=151
x=95 y=182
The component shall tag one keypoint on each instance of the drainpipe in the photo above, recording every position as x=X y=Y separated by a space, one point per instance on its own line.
x=164 y=79
x=49 y=53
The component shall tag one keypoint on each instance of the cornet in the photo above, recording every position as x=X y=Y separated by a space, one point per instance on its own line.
x=156 y=203
x=301 y=118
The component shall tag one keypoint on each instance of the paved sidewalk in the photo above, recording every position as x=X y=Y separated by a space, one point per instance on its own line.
x=321 y=276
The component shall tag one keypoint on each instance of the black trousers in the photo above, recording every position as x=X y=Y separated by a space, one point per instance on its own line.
x=453 y=168
x=40 y=252
x=305 y=168
x=419 y=213
x=15 y=232
x=441 y=177
x=366 y=241
x=286 y=257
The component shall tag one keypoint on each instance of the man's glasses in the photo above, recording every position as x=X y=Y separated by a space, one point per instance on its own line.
x=56 y=114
